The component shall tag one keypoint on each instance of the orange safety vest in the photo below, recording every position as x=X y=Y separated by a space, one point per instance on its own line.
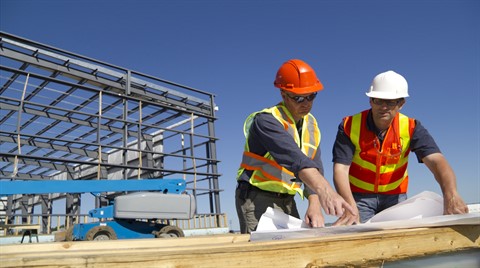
x=375 y=168
x=267 y=174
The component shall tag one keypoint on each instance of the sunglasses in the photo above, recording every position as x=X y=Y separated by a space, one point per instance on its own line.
x=300 y=99
x=389 y=103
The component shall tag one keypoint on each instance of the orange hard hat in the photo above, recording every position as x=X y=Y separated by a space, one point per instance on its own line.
x=297 y=77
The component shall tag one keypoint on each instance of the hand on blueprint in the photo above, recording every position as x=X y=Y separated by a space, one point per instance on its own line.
x=348 y=218
x=453 y=204
x=314 y=216
x=333 y=203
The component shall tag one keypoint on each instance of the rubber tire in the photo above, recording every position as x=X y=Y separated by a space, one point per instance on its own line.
x=169 y=231
x=101 y=233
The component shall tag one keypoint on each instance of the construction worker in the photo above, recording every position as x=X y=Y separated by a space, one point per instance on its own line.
x=282 y=150
x=371 y=150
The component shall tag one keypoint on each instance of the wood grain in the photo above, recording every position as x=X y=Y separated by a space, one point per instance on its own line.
x=360 y=249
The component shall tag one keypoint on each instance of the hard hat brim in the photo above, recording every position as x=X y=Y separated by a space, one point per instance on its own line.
x=385 y=95
x=303 y=90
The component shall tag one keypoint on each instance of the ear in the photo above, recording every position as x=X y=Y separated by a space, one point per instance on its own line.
x=402 y=103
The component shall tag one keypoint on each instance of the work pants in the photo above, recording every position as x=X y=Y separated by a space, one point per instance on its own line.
x=370 y=204
x=251 y=202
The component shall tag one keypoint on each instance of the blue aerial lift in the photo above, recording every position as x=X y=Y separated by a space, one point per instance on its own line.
x=129 y=216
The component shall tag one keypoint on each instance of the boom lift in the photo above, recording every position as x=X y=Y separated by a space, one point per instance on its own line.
x=127 y=216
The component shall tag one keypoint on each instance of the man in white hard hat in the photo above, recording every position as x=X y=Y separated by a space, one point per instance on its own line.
x=371 y=150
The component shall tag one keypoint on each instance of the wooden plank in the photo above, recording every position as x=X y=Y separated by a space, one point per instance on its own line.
x=25 y=228
x=73 y=246
x=223 y=251
x=20 y=226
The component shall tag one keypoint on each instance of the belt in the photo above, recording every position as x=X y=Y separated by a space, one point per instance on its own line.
x=250 y=187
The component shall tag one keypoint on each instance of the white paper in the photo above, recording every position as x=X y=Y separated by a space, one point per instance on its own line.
x=422 y=205
x=422 y=210
x=444 y=220
x=275 y=219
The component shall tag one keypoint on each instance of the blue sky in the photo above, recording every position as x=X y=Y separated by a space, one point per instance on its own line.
x=234 y=48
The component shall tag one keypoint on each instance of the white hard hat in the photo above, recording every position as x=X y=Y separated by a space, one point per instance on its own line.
x=388 y=85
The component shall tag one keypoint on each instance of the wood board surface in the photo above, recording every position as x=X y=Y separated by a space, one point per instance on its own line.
x=368 y=249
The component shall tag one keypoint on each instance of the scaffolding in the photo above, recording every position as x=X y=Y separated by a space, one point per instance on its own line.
x=65 y=116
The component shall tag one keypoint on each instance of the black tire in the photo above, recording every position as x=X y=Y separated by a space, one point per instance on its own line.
x=101 y=233
x=169 y=231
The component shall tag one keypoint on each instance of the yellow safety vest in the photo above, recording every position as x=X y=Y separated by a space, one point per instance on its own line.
x=267 y=174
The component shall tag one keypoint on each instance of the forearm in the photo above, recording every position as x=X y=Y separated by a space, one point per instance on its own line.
x=313 y=201
x=443 y=173
x=331 y=201
x=341 y=181
x=314 y=180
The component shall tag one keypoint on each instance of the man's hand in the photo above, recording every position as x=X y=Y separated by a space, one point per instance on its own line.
x=333 y=203
x=453 y=204
x=348 y=218
x=314 y=216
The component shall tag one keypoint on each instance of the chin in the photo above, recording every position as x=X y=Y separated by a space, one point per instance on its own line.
x=303 y=114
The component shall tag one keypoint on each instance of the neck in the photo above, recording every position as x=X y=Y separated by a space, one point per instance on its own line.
x=299 y=122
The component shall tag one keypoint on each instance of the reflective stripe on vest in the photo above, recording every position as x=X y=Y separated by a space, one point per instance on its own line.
x=267 y=174
x=375 y=168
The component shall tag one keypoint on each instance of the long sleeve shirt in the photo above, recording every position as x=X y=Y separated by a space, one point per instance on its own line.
x=268 y=135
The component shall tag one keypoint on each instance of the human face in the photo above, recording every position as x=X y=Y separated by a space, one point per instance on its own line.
x=384 y=111
x=298 y=105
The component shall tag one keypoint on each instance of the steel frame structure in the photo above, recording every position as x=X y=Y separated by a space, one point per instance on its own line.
x=65 y=116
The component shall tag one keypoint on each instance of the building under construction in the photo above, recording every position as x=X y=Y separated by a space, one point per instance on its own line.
x=65 y=116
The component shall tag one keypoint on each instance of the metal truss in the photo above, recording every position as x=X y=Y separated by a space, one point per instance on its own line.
x=68 y=117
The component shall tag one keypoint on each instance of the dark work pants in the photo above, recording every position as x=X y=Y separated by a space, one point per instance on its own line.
x=252 y=202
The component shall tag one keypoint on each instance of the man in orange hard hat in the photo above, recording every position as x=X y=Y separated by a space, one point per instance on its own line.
x=371 y=152
x=282 y=151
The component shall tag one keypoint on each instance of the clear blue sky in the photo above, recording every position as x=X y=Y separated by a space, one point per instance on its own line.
x=234 y=48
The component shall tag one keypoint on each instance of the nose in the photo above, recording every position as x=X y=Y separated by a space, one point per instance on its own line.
x=306 y=104
x=384 y=106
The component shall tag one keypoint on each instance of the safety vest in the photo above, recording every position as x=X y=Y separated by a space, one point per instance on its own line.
x=379 y=168
x=267 y=174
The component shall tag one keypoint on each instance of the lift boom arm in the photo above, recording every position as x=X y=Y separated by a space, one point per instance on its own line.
x=90 y=186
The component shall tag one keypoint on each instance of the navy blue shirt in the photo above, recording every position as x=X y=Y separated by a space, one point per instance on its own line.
x=268 y=135
x=421 y=143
